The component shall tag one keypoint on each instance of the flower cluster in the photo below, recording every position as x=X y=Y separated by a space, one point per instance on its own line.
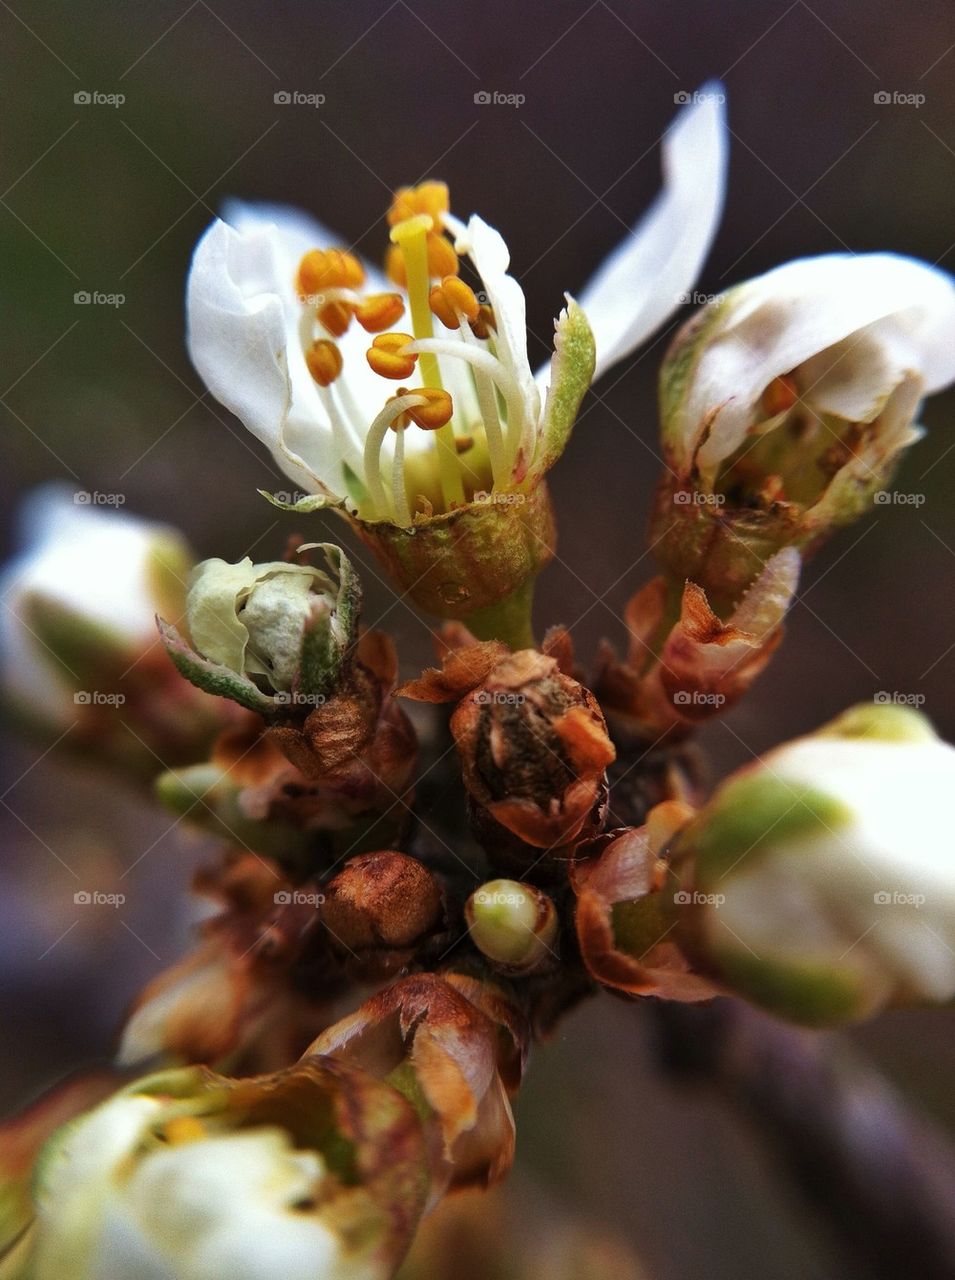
x=388 y=938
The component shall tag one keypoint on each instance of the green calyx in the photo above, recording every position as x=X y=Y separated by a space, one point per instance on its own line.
x=751 y=815
x=880 y=722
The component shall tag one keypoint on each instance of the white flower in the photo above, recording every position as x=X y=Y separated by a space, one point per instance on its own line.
x=105 y=572
x=834 y=353
x=279 y=338
x=191 y=1176
x=829 y=867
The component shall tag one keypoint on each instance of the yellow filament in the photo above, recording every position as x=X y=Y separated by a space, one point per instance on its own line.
x=411 y=237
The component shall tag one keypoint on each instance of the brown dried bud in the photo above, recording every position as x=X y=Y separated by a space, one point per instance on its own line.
x=379 y=908
x=679 y=672
x=455 y=1046
x=623 y=929
x=532 y=741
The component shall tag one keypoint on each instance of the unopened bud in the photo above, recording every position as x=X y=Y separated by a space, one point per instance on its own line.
x=380 y=907
x=513 y=924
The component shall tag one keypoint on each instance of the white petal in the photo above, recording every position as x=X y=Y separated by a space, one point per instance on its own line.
x=491 y=258
x=895 y=316
x=650 y=273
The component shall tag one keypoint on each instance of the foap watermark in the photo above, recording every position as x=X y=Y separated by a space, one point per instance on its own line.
x=697 y=698
x=498 y=698
x=94 y=698
x=896 y=898
x=289 y=497
x=892 y=498
x=684 y=96
x=96 y=298
x=93 y=498
x=494 y=98
x=285 y=698
x=693 y=498
x=96 y=98
x=298 y=898
x=897 y=98
x=297 y=98
x=500 y=499
x=896 y=698
x=500 y=898
x=96 y=898
x=684 y=898
x=696 y=299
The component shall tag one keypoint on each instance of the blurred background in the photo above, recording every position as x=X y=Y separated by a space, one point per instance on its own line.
x=108 y=198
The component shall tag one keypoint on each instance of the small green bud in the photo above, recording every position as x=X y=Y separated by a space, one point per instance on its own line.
x=512 y=923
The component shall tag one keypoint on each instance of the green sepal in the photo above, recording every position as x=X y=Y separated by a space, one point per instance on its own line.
x=572 y=371
x=880 y=722
x=212 y=677
x=325 y=649
x=755 y=813
x=816 y=995
x=302 y=506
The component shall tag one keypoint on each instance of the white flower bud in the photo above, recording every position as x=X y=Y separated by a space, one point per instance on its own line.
x=820 y=881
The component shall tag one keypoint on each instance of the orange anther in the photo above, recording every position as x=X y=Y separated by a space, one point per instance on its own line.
x=336 y=317
x=322 y=269
x=451 y=298
x=387 y=356
x=435 y=413
x=379 y=311
x=324 y=362
x=442 y=260
x=780 y=395
x=485 y=323
x=428 y=197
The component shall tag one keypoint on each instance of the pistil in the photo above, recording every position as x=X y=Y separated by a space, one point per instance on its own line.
x=410 y=236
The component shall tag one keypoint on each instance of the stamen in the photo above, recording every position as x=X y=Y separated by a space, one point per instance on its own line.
x=389 y=357
x=398 y=495
x=451 y=299
x=431 y=198
x=442 y=260
x=437 y=409
x=780 y=396
x=484 y=361
x=379 y=311
x=324 y=361
x=393 y=411
x=336 y=317
x=487 y=402
x=322 y=269
x=410 y=236
x=485 y=323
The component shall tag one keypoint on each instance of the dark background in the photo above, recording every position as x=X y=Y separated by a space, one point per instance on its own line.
x=113 y=198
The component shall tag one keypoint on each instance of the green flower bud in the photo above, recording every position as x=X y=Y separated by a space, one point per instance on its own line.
x=513 y=924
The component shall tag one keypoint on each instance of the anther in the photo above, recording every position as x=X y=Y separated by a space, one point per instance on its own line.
x=322 y=269
x=379 y=311
x=451 y=299
x=324 y=362
x=387 y=355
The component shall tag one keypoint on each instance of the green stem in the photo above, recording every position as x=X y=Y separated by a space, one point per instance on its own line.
x=508 y=620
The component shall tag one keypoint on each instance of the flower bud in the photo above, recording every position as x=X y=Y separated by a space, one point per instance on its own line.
x=379 y=909
x=77 y=633
x=625 y=937
x=532 y=741
x=786 y=403
x=705 y=665
x=513 y=924
x=456 y=1047
x=820 y=881
x=315 y=1171
x=273 y=637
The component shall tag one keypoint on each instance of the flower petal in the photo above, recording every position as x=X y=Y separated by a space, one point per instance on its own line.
x=647 y=277
x=858 y=324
